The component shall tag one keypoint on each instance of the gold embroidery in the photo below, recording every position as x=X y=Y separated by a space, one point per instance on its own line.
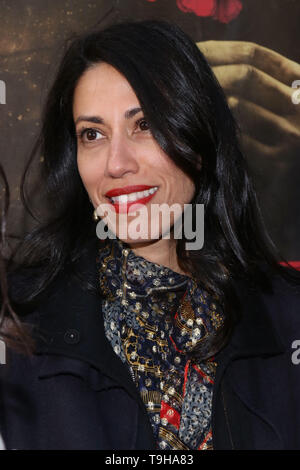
x=172 y=439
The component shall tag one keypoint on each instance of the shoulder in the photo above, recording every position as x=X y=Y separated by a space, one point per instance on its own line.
x=78 y=274
x=275 y=310
x=283 y=304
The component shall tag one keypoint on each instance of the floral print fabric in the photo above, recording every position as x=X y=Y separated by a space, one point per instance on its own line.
x=154 y=319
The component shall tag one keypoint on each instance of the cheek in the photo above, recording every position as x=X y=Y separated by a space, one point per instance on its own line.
x=184 y=187
x=190 y=189
x=188 y=192
x=181 y=187
x=90 y=173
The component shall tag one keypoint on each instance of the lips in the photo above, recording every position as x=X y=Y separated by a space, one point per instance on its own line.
x=122 y=206
x=127 y=189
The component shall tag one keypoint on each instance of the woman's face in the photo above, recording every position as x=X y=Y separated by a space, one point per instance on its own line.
x=117 y=154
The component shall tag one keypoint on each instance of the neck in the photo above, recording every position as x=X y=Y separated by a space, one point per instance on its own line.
x=162 y=251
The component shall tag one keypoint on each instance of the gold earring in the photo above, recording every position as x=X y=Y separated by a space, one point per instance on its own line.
x=95 y=215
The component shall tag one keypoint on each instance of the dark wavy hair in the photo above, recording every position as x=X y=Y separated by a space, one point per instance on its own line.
x=189 y=117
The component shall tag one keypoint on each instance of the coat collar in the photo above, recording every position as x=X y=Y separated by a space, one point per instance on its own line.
x=70 y=323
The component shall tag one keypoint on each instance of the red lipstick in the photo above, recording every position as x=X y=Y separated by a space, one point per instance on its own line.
x=124 y=207
x=127 y=189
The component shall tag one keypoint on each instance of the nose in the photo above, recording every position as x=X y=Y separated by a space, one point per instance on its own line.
x=121 y=157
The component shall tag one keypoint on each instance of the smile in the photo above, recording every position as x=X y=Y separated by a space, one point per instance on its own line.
x=132 y=197
x=123 y=202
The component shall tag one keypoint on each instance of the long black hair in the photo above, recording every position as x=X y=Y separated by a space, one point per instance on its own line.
x=12 y=331
x=189 y=117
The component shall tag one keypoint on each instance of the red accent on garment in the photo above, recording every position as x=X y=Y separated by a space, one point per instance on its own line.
x=186 y=370
x=170 y=414
x=202 y=445
x=174 y=344
x=205 y=376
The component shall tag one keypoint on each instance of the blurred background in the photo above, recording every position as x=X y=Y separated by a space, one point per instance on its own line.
x=253 y=47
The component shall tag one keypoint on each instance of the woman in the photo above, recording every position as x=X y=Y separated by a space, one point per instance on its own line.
x=141 y=343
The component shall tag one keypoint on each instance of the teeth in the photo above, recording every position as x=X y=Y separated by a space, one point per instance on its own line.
x=124 y=198
x=131 y=197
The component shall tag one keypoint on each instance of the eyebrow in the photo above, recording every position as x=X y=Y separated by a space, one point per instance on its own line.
x=99 y=120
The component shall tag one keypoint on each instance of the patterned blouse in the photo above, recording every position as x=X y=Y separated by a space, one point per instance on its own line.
x=154 y=319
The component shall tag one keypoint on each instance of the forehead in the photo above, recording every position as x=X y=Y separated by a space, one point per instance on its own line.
x=103 y=82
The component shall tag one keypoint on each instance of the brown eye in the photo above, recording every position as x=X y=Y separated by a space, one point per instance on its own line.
x=144 y=125
x=87 y=135
x=91 y=134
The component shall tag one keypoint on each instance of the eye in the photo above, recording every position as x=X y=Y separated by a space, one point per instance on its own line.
x=143 y=124
x=88 y=134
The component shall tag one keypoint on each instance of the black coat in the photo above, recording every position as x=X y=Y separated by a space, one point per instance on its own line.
x=75 y=393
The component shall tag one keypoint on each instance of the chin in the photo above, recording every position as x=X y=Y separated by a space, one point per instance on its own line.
x=137 y=242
